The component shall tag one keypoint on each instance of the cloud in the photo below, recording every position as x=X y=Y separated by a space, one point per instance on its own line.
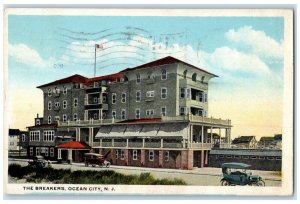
x=29 y=56
x=226 y=58
x=258 y=41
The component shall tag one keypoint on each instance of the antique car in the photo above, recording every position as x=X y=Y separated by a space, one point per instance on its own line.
x=95 y=159
x=236 y=174
x=39 y=162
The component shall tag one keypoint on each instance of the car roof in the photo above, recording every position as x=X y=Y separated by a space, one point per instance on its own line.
x=235 y=165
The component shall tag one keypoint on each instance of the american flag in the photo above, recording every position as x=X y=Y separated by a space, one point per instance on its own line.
x=99 y=46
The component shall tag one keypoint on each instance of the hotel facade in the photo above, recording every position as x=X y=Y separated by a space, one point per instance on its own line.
x=152 y=115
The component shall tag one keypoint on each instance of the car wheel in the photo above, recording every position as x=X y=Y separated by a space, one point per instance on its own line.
x=225 y=183
x=259 y=183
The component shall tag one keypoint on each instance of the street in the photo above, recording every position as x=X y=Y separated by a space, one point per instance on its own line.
x=198 y=176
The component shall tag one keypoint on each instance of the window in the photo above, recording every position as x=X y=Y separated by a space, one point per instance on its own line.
x=167 y=155
x=137 y=113
x=150 y=75
x=96 y=85
x=163 y=111
x=65 y=104
x=184 y=110
x=75 y=102
x=23 y=138
x=113 y=98
x=134 y=154
x=205 y=97
x=138 y=78
x=46 y=151
x=245 y=157
x=163 y=74
x=122 y=154
x=237 y=157
x=37 y=122
x=34 y=135
x=11 y=143
x=261 y=157
x=150 y=93
x=253 y=157
x=184 y=74
x=151 y=155
x=56 y=118
x=200 y=95
x=49 y=119
x=150 y=112
x=103 y=98
x=270 y=158
x=31 y=151
x=138 y=96
x=123 y=114
x=65 y=117
x=221 y=156
x=117 y=154
x=96 y=100
x=75 y=117
x=56 y=104
x=56 y=90
x=65 y=90
x=52 y=152
x=37 y=151
x=194 y=77
x=48 y=135
x=114 y=114
x=123 y=98
x=184 y=93
x=278 y=158
x=228 y=156
x=163 y=93
x=202 y=79
x=49 y=92
x=49 y=105
x=95 y=116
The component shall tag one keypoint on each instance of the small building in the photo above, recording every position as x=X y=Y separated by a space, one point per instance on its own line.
x=245 y=142
x=14 y=140
x=269 y=160
x=270 y=142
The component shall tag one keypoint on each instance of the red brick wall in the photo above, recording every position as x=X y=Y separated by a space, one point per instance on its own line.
x=152 y=164
x=174 y=160
x=135 y=162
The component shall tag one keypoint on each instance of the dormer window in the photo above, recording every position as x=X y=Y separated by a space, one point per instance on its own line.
x=194 y=77
x=65 y=90
x=56 y=90
x=37 y=122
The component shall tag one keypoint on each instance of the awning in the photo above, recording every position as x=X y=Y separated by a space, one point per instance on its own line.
x=172 y=130
x=74 y=145
x=149 y=130
x=132 y=130
x=117 y=131
x=104 y=131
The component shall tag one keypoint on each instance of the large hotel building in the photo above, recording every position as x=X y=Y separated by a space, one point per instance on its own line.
x=152 y=115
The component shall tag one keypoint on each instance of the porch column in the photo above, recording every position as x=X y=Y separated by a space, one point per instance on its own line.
x=78 y=134
x=229 y=136
x=100 y=142
x=142 y=157
x=211 y=136
x=92 y=136
x=206 y=158
x=220 y=136
x=202 y=159
x=86 y=115
x=161 y=143
x=58 y=153
x=127 y=142
x=70 y=158
x=160 y=158
x=112 y=142
x=202 y=135
x=143 y=145
x=127 y=157
x=190 y=137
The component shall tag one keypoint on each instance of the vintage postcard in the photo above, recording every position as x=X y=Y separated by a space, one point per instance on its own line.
x=148 y=101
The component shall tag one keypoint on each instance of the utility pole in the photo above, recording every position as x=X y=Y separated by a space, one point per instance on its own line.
x=95 y=61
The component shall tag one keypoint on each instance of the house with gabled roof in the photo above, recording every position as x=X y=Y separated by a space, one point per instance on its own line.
x=245 y=142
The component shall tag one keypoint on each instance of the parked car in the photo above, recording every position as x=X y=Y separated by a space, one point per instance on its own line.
x=39 y=162
x=96 y=159
x=236 y=174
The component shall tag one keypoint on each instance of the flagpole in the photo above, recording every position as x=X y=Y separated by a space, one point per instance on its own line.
x=95 y=61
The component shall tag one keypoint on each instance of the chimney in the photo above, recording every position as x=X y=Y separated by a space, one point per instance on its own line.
x=37 y=115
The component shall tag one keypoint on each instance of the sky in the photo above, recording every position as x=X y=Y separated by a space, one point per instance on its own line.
x=245 y=52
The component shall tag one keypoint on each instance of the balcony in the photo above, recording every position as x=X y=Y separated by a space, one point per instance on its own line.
x=201 y=145
x=56 y=94
x=190 y=83
x=56 y=108
x=200 y=119
x=91 y=122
